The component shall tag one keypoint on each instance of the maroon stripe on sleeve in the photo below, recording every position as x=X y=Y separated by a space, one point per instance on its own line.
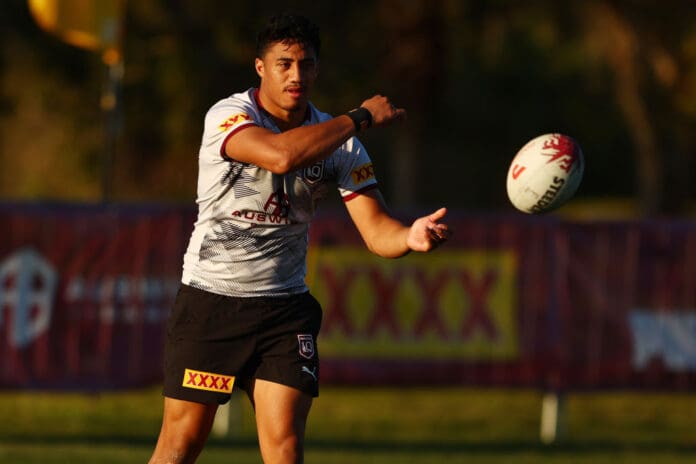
x=232 y=132
x=352 y=195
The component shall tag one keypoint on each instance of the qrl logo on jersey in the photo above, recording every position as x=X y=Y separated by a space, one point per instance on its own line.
x=314 y=173
x=306 y=342
x=207 y=381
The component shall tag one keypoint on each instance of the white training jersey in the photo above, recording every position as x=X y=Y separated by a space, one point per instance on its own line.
x=251 y=235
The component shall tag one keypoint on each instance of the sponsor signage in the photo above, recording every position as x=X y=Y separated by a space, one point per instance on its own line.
x=233 y=120
x=363 y=173
x=459 y=304
x=85 y=293
x=511 y=301
x=209 y=381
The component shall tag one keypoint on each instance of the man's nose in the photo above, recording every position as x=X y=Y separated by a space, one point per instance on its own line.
x=296 y=73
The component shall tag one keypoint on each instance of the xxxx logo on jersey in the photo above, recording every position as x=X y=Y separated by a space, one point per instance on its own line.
x=232 y=120
x=363 y=173
x=208 y=381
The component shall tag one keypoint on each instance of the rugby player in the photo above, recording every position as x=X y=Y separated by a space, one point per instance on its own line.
x=243 y=316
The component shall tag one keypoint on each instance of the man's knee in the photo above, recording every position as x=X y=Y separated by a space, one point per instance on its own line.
x=283 y=450
x=185 y=429
x=292 y=447
x=183 y=442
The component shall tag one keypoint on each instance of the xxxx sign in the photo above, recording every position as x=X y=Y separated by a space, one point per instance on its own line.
x=454 y=304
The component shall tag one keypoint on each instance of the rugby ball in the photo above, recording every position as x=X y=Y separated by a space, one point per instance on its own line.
x=545 y=173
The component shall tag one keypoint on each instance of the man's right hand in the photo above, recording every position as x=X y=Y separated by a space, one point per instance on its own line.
x=383 y=111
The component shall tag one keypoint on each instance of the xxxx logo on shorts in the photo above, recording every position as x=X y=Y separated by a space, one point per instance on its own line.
x=208 y=381
x=363 y=173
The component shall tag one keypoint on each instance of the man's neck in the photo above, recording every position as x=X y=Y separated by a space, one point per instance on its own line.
x=284 y=119
x=289 y=121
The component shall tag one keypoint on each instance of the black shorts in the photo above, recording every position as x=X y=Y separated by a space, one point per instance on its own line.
x=215 y=342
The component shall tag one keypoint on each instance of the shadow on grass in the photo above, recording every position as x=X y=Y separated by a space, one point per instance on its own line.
x=501 y=447
x=377 y=446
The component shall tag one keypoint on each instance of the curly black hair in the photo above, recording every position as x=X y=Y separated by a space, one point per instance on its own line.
x=289 y=29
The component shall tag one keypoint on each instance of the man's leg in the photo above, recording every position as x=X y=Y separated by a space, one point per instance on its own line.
x=185 y=428
x=281 y=416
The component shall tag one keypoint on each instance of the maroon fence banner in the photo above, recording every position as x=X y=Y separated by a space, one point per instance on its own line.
x=512 y=300
x=85 y=292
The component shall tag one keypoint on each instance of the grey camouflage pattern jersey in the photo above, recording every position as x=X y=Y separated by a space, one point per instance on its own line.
x=251 y=234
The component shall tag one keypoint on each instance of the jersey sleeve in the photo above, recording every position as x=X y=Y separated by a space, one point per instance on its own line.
x=223 y=120
x=355 y=171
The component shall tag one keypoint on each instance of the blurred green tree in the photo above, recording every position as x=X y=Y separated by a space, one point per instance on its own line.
x=478 y=77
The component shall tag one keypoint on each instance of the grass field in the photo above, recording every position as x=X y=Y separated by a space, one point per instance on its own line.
x=376 y=426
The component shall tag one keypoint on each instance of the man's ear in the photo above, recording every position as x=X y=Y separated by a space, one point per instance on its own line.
x=258 y=65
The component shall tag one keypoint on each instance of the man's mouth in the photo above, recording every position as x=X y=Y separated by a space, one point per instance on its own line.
x=296 y=91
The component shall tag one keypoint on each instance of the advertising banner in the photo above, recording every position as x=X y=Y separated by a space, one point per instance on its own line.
x=510 y=301
x=84 y=293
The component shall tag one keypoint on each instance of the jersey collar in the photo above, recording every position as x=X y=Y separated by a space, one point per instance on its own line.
x=308 y=113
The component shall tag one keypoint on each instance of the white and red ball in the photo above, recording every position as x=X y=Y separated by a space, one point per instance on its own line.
x=545 y=173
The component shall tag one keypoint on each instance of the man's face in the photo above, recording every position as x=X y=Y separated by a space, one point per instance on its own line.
x=287 y=72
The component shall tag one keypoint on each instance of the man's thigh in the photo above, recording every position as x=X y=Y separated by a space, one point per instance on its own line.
x=210 y=338
x=281 y=418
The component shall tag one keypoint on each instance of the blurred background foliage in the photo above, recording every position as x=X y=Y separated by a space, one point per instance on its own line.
x=478 y=77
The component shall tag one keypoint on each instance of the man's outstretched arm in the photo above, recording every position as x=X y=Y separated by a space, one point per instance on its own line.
x=390 y=238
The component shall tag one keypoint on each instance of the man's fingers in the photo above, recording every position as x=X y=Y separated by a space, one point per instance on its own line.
x=437 y=215
x=383 y=111
x=439 y=232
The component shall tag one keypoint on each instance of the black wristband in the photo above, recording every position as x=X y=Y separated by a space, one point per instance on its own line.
x=362 y=118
